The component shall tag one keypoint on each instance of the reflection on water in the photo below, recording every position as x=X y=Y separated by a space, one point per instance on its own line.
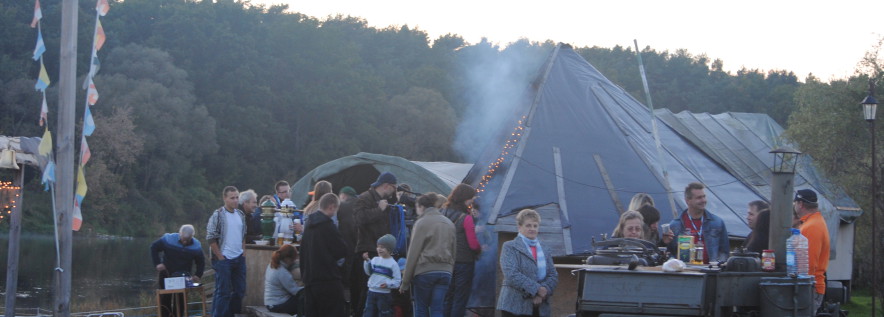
x=107 y=273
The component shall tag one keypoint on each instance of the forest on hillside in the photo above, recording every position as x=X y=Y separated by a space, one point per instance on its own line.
x=196 y=95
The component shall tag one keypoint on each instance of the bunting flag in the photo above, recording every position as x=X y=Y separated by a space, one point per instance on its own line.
x=99 y=36
x=88 y=123
x=45 y=146
x=101 y=6
x=91 y=93
x=43 y=80
x=41 y=47
x=48 y=175
x=81 y=185
x=94 y=66
x=78 y=217
x=44 y=111
x=38 y=14
x=85 y=153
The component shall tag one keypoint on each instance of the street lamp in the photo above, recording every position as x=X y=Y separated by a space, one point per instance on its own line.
x=781 y=191
x=869 y=107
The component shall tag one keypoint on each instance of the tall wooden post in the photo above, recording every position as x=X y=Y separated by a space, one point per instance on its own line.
x=14 y=235
x=64 y=194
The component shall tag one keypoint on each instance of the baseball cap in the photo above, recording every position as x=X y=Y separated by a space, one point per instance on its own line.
x=385 y=178
x=806 y=195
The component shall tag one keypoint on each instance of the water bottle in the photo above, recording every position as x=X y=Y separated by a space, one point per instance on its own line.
x=796 y=254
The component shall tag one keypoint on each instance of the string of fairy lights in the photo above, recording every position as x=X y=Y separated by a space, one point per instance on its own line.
x=511 y=142
x=8 y=198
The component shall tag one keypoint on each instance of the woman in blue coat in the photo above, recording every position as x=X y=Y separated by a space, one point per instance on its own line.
x=529 y=277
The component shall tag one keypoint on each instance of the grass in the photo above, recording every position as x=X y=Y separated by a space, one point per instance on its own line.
x=861 y=304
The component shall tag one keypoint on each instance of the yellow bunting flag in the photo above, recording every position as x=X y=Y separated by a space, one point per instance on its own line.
x=46 y=143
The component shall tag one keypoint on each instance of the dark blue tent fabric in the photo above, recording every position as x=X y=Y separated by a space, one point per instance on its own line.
x=602 y=133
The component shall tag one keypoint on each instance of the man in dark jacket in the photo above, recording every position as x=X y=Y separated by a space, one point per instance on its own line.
x=372 y=222
x=347 y=227
x=322 y=256
x=180 y=252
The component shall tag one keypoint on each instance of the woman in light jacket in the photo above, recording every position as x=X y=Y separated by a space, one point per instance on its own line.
x=529 y=277
x=281 y=292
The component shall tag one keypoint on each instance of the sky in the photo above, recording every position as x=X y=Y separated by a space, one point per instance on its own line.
x=827 y=38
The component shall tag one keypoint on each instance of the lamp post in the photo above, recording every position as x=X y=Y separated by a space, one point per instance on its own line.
x=869 y=107
x=781 y=191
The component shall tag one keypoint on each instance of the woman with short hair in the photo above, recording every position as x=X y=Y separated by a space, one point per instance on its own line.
x=529 y=277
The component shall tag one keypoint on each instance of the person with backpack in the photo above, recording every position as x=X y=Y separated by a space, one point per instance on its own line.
x=372 y=222
x=458 y=209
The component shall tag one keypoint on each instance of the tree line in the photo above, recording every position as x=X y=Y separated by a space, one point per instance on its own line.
x=196 y=95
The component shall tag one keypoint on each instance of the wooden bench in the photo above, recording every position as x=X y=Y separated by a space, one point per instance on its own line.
x=261 y=311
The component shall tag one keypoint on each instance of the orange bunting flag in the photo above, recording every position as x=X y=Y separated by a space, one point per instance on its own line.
x=101 y=6
x=85 y=154
x=38 y=14
x=78 y=216
x=99 y=36
x=92 y=93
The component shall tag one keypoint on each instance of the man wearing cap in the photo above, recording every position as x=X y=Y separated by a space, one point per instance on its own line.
x=813 y=227
x=372 y=222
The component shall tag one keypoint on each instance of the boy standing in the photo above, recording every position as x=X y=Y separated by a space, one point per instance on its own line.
x=383 y=274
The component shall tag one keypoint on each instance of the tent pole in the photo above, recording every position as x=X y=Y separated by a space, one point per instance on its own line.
x=641 y=67
x=563 y=203
x=498 y=203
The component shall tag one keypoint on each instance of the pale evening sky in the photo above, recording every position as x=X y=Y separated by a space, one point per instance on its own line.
x=824 y=38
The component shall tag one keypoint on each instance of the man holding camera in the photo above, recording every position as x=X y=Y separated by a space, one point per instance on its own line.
x=372 y=222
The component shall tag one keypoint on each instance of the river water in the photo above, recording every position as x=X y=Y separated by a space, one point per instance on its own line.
x=108 y=273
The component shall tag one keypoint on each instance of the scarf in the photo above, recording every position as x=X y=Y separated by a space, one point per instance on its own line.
x=541 y=258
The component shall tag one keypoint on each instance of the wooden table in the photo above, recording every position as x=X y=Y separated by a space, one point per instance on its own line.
x=175 y=299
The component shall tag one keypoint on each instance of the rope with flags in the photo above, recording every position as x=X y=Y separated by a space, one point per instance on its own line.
x=43 y=82
x=45 y=147
x=101 y=8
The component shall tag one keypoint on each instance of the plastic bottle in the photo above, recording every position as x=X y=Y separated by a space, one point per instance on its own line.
x=796 y=254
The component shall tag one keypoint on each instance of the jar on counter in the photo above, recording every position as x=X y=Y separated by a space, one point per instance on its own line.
x=768 y=261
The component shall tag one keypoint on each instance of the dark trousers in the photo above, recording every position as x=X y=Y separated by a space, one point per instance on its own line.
x=290 y=306
x=358 y=284
x=459 y=292
x=535 y=313
x=325 y=299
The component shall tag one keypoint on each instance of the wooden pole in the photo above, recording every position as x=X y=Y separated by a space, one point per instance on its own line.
x=65 y=155
x=14 y=235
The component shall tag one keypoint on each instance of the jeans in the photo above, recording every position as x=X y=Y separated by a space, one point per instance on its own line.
x=378 y=304
x=230 y=286
x=428 y=293
x=459 y=292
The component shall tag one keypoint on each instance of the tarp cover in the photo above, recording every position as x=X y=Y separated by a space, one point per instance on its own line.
x=362 y=169
x=589 y=146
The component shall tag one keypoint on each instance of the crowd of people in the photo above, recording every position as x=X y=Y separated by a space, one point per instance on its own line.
x=349 y=263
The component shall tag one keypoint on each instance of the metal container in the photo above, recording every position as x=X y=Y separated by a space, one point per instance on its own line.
x=787 y=296
x=615 y=290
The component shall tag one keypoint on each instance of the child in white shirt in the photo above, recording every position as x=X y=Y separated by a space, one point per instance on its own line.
x=383 y=274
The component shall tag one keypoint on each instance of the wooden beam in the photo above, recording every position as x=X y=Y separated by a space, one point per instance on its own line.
x=64 y=193
x=14 y=242
x=608 y=183
x=563 y=205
